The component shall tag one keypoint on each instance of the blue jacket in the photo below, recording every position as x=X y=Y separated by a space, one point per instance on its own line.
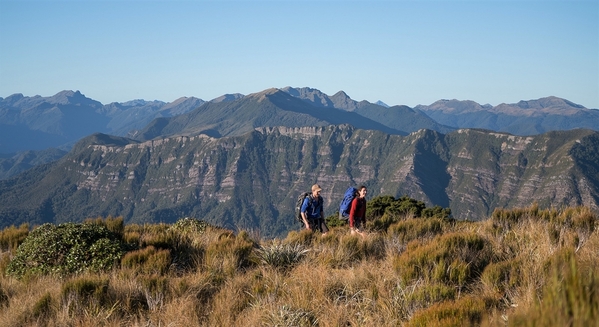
x=312 y=207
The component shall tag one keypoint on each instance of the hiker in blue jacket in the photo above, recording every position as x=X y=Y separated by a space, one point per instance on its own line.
x=312 y=211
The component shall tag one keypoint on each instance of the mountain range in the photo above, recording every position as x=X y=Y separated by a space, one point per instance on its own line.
x=38 y=123
x=523 y=118
x=33 y=124
x=240 y=160
x=251 y=181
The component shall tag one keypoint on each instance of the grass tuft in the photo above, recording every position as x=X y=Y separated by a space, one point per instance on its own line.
x=281 y=256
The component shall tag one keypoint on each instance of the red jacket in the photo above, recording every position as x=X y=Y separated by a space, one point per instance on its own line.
x=357 y=211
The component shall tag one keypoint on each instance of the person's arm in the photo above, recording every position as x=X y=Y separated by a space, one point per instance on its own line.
x=304 y=214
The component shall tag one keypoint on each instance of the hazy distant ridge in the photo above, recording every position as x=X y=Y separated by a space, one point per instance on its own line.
x=38 y=123
x=523 y=118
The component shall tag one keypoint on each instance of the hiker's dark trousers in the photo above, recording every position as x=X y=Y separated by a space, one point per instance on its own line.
x=318 y=224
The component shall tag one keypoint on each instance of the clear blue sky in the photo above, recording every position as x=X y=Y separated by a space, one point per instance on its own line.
x=400 y=52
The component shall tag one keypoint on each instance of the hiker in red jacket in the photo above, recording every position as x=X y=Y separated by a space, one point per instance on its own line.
x=357 y=213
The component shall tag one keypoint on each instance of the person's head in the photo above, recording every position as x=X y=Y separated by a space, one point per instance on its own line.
x=362 y=191
x=316 y=190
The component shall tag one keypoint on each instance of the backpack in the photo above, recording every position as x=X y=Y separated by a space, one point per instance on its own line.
x=345 y=204
x=300 y=201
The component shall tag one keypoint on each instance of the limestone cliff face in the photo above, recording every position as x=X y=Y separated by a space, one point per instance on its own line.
x=251 y=181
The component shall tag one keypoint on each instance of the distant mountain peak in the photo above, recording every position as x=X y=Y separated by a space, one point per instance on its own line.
x=142 y=102
x=228 y=97
x=184 y=99
x=340 y=94
x=72 y=97
x=62 y=97
x=263 y=94
x=547 y=102
x=382 y=104
x=343 y=101
x=12 y=99
x=313 y=96
x=268 y=91
x=182 y=105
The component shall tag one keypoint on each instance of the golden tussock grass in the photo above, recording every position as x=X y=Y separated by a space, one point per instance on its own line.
x=521 y=267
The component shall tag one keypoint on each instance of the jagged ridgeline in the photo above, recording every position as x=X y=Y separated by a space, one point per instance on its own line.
x=251 y=181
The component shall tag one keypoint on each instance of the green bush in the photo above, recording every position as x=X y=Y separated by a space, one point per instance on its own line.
x=66 y=249
x=376 y=207
x=436 y=212
x=406 y=206
x=189 y=226
x=385 y=211
x=334 y=221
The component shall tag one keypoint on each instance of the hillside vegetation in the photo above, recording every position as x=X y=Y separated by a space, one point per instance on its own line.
x=415 y=267
x=250 y=182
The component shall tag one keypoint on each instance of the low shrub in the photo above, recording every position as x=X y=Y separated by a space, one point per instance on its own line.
x=382 y=224
x=334 y=221
x=384 y=211
x=189 y=225
x=437 y=212
x=65 y=249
